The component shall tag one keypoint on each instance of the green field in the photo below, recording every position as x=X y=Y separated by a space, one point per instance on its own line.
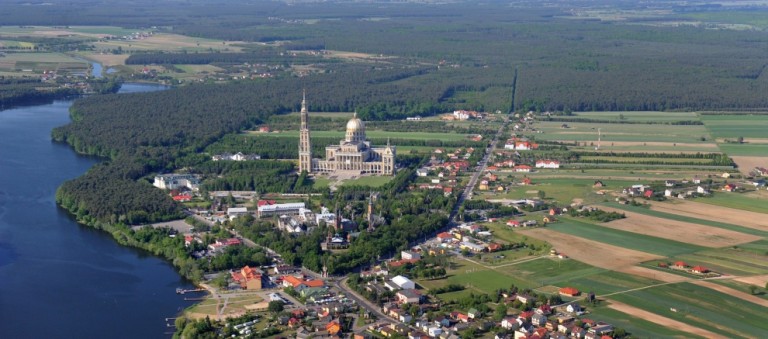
x=550 y=271
x=737 y=201
x=609 y=282
x=622 y=132
x=744 y=259
x=702 y=307
x=646 y=160
x=373 y=134
x=638 y=327
x=508 y=235
x=640 y=116
x=734 y=126
x=746 y=149
x=562 y=190
x=639 y=242
x=743 y=287
x=372 y=181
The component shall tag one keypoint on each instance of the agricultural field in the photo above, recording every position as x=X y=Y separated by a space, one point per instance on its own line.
x=637 y=116
x=739 y=201
x=372 y=135
x=561 y=190
x=701 y=307
x=624 y=134
x=38 y=62
x=733 y=126
x=713 y=212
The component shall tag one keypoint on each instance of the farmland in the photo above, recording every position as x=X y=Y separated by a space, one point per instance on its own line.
x=374 y=134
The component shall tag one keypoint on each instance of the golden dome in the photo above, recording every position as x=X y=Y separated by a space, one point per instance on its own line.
x=355 y=124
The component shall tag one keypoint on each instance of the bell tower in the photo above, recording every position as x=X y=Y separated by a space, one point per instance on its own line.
x=305 y=146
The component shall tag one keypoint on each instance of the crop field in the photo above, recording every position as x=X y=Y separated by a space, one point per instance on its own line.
x=734 y=216
x=169 y=42
x=696 y=234
x=639 y=327
x=734 y=126
x=640 y=160
x=609 y=282
x=634 y=241
x=637 y=116
x=691 y=219
x=550 y=270
x=701 y=307
x=373 y=134
x=737 y=201
x=746 y=149
x=617 y=133
x=737 y=260
x=743 y=288
x=43 y=31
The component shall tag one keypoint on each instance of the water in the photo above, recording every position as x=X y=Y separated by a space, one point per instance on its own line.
x=59 y=279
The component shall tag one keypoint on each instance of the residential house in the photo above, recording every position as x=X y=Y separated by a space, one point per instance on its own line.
x=523 y=168
x=538 y=320
x=547 y=164
x=573 y=308
x=409 y=255
x=699 y=269
x=410 y=296
x=248 y=278
x=569 y=292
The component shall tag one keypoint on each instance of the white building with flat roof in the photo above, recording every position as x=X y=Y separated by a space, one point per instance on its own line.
x=292 y=208
x=175 y=181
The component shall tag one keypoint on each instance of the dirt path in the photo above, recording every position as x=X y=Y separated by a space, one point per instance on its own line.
x=732 y=292
x=661 y=320
x=591 y=252
x=754 y=220
x=695 y=234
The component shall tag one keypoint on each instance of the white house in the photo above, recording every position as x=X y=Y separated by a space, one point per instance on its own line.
x=403 y=282
x=234 y=212
x=408 y=255
x=434 y=332
x=547 y=164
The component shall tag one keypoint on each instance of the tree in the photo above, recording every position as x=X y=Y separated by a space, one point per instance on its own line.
x=500 y=312
x=740 y=140
x=275 y=306
x=752 y=289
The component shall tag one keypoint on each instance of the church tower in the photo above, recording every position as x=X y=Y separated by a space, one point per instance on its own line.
x=305 y=147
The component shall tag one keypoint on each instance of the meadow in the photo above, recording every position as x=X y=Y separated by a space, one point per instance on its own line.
x=734 y=126
x=737 y=201
x=619 y=133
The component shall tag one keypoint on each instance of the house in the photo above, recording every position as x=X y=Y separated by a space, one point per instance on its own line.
x=410 y=296
x=547 y=164
x=598 y=184
x=679 y=265
x=510 y=323
x=573 y=308
x=648 y=194
x=422 y=172
x=248 y=278
x=525 y=299
x=538 y=320
x=699 y=269
x=462 y=317
x=333 y=327
x=493 y=247
x=444 y=237
x=409 y=255
x=403 y=282
x=175 y=181
x=522 y=168
x=483 y=185
x=729 y=187
x=513 y=223
x=472 y=247
x=474 y=313
x=569 y=292
x=555 y=211
x=434 y=332
x=527 y=181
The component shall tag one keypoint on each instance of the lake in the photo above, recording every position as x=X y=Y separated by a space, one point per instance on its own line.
x=59 y=279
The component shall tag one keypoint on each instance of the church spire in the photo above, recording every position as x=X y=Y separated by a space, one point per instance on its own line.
x=305 y=146
x=304 y=102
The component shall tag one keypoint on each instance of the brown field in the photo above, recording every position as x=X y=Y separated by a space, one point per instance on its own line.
x=670 y=144
x=660 y=320
x=591 y=252
x=169 y=42
x=746 y=164
x=757 y=280
x=676 y=230
x=653 y=274
x=732 y=292
x=699 y=210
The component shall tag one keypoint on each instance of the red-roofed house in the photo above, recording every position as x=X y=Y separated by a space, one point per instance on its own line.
x=248 y=278
x=513 y=223
x=523 y=168
x=182 y=197
x=648 y=194
x=444 y=236
x=569 y=291
x=680 y=264
x=266 y=202
x=699 y=269
x=493 y=247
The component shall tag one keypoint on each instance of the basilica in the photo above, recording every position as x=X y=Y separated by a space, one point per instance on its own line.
x=353 y=154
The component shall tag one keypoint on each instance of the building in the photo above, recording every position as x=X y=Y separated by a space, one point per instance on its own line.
x=403 y=282
x=352 y=154
x=248 y=278
x=234 y=212
x=176 y=181
x=293 y=208
x=547 y=164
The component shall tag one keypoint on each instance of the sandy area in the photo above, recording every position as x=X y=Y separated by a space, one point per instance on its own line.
x=747 y=164
x=758 y=221
x=660 y=320
x=732 y=292
x=591 y=252
x=650 y=273
x=757 y=280
x=678 y=230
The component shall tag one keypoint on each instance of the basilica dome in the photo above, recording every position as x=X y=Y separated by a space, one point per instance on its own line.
x=355 y=130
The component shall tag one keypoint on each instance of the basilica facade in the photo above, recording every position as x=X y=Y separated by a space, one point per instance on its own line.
x=352 y=154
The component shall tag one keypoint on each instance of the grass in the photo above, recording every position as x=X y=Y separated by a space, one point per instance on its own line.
x=743 y=287
x=373 y=134
x=702 y=307
x=644 y=160
x=563 y=190
x=608 y=282
x=550 y=271
x=504 y=233
x=734 y=126
x=321 y=182
x=639 y=116
x=372 y=181
x=639 y=242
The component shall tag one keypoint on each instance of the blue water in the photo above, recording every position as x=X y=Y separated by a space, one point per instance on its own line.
x=59 y=279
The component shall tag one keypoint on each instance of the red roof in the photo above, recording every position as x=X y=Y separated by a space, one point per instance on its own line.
x=314 y=283
x=292 y=280
x=680 y=263
x=266 y=202
x=700 y=269
x=444 y=235
x=182 y=197
x=569 y=291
